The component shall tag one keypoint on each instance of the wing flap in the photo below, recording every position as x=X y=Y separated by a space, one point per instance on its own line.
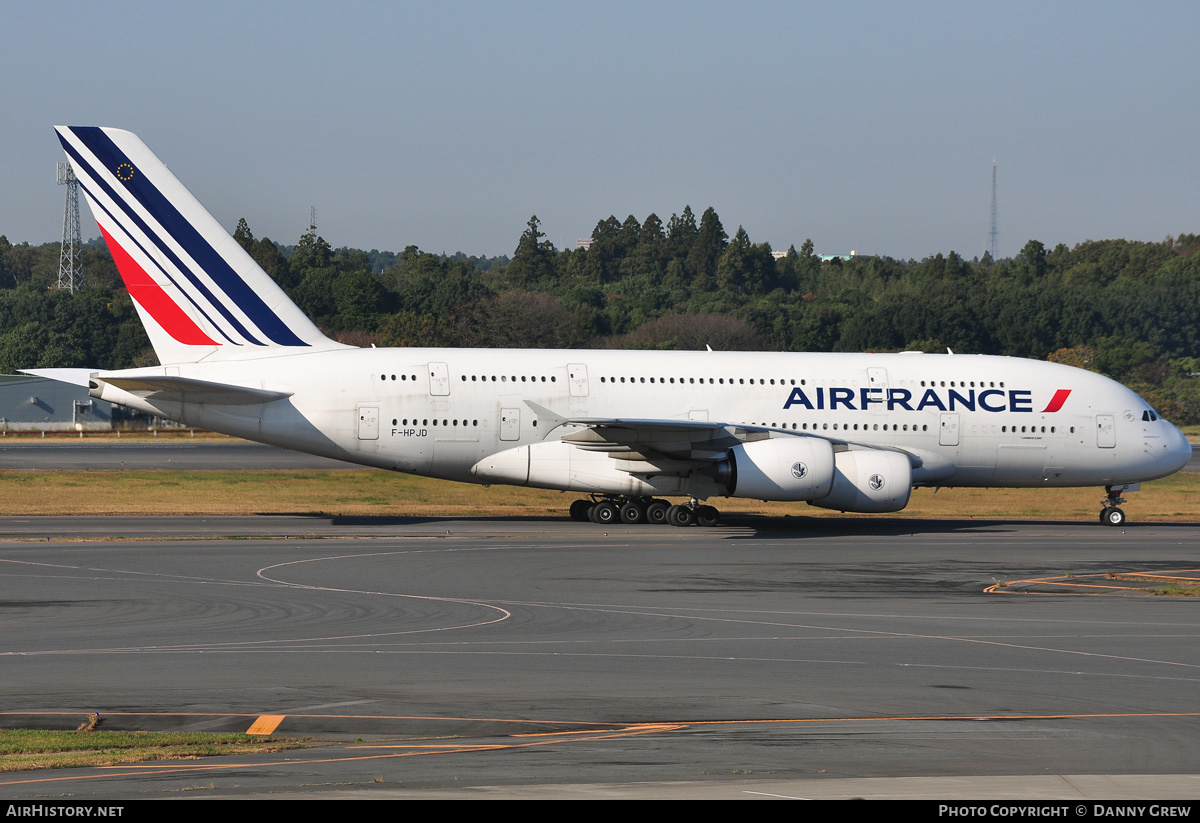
x=645 y=446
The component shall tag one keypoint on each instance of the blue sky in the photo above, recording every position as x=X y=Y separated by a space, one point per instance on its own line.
x=863 y=125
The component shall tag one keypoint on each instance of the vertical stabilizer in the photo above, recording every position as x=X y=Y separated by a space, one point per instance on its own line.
x=199 y=294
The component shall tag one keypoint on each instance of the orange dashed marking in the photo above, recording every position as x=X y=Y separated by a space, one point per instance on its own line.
x=579 y=736
x=1074 y=585
x=635 y=728
x=266 y=724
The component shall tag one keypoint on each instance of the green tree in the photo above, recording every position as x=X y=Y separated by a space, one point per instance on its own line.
x=271 y=260
x=693 y=332
x=1032 y=260
x=312 y=253
x=360 y=300
x=515 y=319
x=533 y=261
x=681 y=234
x=243 y=235
x=706 y=251
x=6 y=279
x=604 y=254
x=430 y=291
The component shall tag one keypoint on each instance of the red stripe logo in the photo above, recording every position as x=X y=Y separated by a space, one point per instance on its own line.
x=150 y=296
x=1056 y=402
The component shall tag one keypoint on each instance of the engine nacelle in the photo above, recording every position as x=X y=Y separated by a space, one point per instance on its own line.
x=781 y=468
x=556 y=464
x=869 y=481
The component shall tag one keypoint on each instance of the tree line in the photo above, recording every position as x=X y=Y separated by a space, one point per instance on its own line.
x=1128 y=309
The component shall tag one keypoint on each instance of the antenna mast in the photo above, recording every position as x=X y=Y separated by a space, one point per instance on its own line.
x=993 y=234
x=70 y=269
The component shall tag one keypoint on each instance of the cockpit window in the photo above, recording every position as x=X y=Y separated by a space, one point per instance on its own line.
x=1149 y=415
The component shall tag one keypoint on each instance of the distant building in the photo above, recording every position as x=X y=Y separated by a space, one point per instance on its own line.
x=37 y=404
x=583 y=243
x=825 y=258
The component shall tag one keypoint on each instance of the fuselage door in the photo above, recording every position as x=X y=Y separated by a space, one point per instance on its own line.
x=877 y=385
x=368 y=422
x=510 y=424
x=577 y=379
x=1106 y=431
x=439 y=380
x=948 y=434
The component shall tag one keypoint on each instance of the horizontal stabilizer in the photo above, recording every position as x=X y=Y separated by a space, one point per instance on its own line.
x=188 y=390
x=76 y=377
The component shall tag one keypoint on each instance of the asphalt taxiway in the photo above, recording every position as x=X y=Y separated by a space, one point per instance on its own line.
x=542 y=657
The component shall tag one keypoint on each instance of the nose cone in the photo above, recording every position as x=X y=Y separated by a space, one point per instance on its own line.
x=1177 y=451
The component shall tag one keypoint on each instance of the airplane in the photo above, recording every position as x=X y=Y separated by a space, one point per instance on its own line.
x=627 y=429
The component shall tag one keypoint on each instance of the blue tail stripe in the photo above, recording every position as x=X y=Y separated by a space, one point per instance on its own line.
x=174 y=258
x=186 y=235
x=96 y=204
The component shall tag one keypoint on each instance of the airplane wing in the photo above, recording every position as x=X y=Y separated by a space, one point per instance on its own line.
x=676 y=456
x=646 y=446
x=650 y=446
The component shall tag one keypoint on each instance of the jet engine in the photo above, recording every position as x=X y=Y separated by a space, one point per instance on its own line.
x=781 y=468
x=868 y=480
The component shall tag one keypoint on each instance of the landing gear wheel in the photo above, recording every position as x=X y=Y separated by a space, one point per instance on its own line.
x=633 y=514
x=605 y=513
x=579 y=510
x=681 y=516
x=656 y=512
x=1110 y=515
x=707 y=516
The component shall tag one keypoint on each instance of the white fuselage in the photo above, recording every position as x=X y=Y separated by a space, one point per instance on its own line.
x=964 y=420
x=852 y=432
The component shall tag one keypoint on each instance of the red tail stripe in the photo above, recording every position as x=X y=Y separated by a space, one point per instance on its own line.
x=150 y=296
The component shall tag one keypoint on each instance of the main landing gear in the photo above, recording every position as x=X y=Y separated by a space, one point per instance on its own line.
x=1110 y=515
x=606 y=509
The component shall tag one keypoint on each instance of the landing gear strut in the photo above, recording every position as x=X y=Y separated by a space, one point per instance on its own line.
x=1111 y=515
x=606 y=509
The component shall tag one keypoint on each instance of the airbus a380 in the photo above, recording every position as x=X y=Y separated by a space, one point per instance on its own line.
x=850 y=432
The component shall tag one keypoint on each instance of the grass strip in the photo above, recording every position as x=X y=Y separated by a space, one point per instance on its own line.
x=372 y=492
x=29 y=749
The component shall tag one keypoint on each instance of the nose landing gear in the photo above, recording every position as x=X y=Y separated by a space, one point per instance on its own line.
x=1111 y=515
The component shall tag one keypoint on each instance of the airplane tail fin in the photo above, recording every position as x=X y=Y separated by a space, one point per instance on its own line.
x=198 y=293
